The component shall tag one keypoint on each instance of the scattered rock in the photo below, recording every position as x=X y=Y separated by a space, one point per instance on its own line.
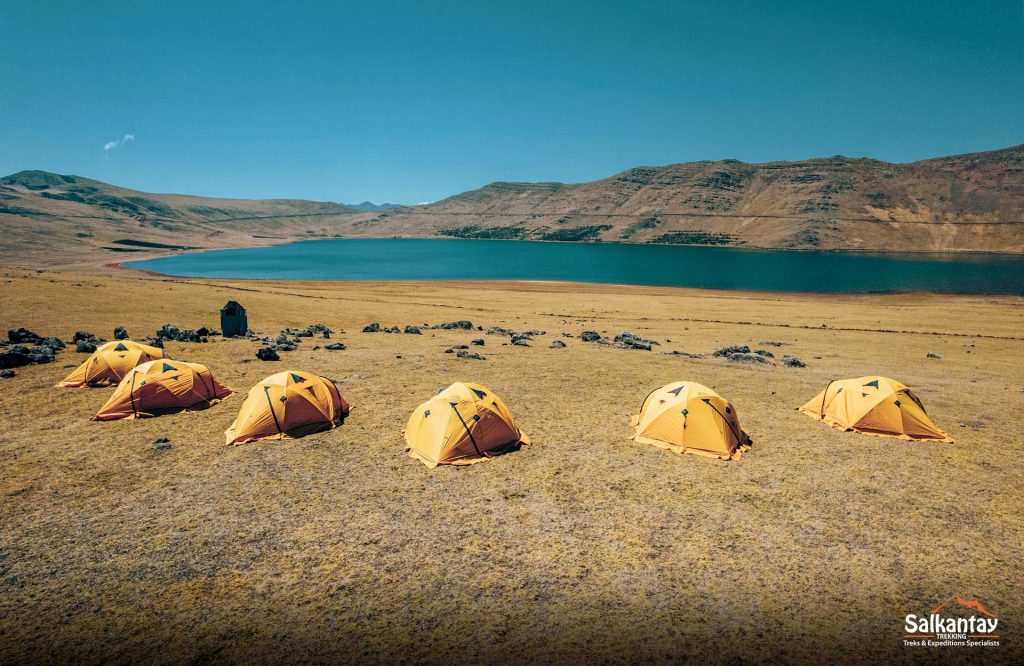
x=770 y=343
x=734 y=349
x=479 y=342
x=933 y=355
x=567 y=335
x=522 y=342
x=413 y=330
x=52 y=343
x=120 y=333
x=371 y=328
x=682 y=353
x=20 y=335
x=85 y=347
x=741 y=357
x=535 y=332
x=471 y=355
x=6 y=374
x=161 y=443
x=628 y=340
x=791 y=361
x=393 y=329
x=335 y=346
x=590 y=336
x=172 y=332
x=521 y=337
x=267 y=354
x=556 y=344
x=498 y=330
x=764 y=352
x=86 y=336
x=461 y=324
x=20 y=355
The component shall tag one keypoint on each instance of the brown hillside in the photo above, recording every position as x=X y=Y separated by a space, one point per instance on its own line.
x=960 y=204
x=964 y=203
x=53 y=219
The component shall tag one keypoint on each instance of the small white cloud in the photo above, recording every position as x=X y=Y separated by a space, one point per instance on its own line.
x=424 y=203
x=110 y=145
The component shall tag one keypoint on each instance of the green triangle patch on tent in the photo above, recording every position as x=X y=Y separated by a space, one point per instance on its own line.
x=120 y=347
x=873 y=383
x=478 y=392
x=167 y=367
x=297 y=379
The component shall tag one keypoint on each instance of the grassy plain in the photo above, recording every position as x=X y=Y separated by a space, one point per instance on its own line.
x=583 y=547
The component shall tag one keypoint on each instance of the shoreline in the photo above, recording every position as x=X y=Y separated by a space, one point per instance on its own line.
x=121 y=266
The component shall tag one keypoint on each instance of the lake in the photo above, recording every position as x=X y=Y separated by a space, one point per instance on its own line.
x=612 y=263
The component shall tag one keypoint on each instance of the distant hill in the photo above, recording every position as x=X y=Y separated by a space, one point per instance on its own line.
x=963 y=203
x=370 y=207
x=49 y=218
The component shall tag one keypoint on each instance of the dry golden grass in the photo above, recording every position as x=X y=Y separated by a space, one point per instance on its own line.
x=582 y=547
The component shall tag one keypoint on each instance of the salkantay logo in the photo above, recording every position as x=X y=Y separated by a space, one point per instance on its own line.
x=938 y=630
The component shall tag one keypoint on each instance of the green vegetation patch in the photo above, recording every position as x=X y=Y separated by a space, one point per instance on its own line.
x=696 y=238
x=577 y=233
x=494 y=233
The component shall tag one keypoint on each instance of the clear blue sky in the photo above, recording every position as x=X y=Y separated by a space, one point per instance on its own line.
x=415 y=101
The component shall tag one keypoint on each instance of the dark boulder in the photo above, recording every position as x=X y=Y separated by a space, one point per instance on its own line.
x=20 y=355
x=479 y=342
x=52 y=343
x=371 y=328
x=473 y=356
x=628 y=340
x=498 y=330
x=461 y=324
x=521 y=342
x=6 y=374
x=590 y=336
x=267 y=354
x=557 y=344
x=22 y=335
x=733 y=349
x=791 y=361
x=85 y=347
x=335 y=346
x=120 y=333
x=413 y=330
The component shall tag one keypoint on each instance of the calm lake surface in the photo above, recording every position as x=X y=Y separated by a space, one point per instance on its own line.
x=706 y=267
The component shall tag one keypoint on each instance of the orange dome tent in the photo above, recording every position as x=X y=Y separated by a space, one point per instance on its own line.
x=289 y=404
x=160 y=387
x=461 y=425
x=687 y=417
x=874 y=406
x=110 y=363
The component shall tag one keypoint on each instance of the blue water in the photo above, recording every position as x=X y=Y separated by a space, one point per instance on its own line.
x=706 y=267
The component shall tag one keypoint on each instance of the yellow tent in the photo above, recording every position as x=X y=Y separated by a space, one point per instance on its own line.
x=292 y=403
x=461 y=425
x=874 y=406
x=687 y=417
x=163 y=386
x=110 y=363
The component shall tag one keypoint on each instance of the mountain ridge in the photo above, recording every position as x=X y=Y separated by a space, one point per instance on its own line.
x=963 y=203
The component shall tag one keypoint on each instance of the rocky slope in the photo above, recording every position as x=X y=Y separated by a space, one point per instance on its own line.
x=49 y=218
x=962 y=203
